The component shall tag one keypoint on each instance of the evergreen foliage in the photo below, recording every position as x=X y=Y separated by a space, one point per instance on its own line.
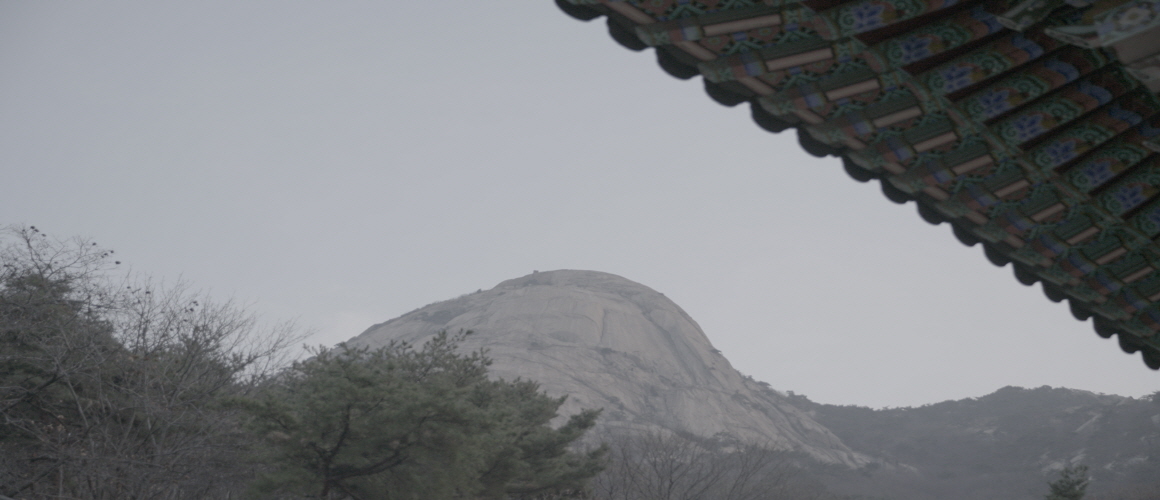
x=112 y=389
x=1071 y=485
x=406 y=423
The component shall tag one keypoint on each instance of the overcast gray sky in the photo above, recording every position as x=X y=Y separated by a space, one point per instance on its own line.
x=345 y=162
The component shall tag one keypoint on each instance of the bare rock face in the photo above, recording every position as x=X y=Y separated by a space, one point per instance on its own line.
x=607 y=342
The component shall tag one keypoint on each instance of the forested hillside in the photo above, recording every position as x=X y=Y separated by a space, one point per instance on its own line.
x=1007 y=444
x=113 y=387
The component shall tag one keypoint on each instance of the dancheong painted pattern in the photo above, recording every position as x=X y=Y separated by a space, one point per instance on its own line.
x=1033 y=128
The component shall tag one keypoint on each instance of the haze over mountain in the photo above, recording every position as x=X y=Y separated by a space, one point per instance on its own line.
x=607 y=342
x=1003 y=446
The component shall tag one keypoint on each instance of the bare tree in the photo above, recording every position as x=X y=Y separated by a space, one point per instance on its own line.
x=660 y=466
x=110 y=389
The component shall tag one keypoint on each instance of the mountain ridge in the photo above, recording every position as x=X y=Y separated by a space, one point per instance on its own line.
x=608 y=342
x=1003 y=445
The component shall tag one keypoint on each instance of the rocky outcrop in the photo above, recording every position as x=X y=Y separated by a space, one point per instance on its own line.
x=607 y=342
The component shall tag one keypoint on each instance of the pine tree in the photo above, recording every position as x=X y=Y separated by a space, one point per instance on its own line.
x=406 y=423
x=1071 y=485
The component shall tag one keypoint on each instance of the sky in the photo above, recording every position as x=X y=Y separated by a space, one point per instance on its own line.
x=343 y=163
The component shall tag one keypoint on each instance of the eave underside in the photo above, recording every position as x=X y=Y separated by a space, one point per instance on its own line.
x=1032 y=128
